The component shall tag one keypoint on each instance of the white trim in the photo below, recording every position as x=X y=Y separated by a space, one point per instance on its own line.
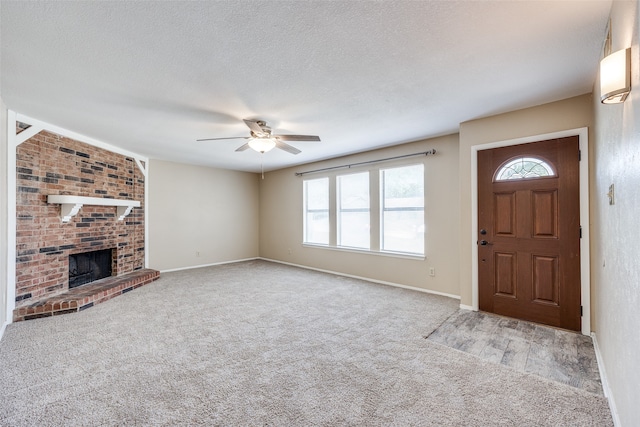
x=208 y=265
x=585 y=242
x=2 y=329
x=466 y=307
x=146 y=217
x=11 y=214
x=27 y=133
x=78 y=137
x=605 y=383
x=142 y=167
x=585 y=274
x=381 y=282
x=366 y=251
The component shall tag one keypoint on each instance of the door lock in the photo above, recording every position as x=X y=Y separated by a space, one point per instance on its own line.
x=483 y=231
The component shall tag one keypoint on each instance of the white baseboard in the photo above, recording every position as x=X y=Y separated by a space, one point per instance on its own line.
x=605 y=382
x=208 y=265
x=2 y=329
x=466 y=307
x=382 y=282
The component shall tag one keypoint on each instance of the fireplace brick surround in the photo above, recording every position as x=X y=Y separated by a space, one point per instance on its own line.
x=49 y=164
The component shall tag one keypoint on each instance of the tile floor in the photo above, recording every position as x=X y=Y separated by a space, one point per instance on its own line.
x=556 y=354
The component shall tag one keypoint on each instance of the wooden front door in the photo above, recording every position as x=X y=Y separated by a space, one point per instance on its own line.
x=529 y=232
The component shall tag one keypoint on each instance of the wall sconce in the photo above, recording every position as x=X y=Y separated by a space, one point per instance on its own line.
x=615 y=77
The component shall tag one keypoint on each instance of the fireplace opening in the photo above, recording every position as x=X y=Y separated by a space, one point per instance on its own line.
x=89 y=266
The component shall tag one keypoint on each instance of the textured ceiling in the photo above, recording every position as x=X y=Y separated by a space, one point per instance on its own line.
x=152 y=77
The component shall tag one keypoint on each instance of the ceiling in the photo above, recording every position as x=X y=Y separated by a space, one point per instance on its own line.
x=152 y=77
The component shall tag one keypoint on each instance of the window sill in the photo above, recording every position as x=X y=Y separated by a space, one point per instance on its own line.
x=366 y=252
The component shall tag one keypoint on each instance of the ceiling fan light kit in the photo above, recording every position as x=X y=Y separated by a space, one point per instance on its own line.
x=262 y=140
x=262 y=145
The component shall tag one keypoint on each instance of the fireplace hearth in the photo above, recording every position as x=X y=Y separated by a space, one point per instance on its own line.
x=88 y=267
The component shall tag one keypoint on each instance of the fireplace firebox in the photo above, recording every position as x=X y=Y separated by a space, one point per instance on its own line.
x=89 y=266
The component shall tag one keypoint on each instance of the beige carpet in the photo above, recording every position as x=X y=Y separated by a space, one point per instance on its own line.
x=259 y=343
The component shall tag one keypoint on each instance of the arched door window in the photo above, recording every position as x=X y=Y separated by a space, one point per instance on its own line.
x=524 y=167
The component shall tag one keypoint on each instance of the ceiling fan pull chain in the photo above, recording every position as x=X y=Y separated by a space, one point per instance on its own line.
x=262 y=164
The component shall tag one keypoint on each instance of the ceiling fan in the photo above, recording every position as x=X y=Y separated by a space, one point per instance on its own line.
x=262 y=140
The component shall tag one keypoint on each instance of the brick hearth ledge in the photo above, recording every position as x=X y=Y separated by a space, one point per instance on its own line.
x=83 y=297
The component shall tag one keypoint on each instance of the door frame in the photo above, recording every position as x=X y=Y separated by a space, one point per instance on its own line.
x=585 y=260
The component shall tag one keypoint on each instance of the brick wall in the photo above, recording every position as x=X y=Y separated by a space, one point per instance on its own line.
x=51 y=164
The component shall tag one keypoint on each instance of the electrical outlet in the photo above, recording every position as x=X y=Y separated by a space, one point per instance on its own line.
x=289 y=250
x=432 y=271
x=197 y=253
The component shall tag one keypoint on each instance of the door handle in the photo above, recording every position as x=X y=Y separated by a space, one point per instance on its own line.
x=485 y=243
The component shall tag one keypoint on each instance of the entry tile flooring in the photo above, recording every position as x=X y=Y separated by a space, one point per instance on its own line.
x=555 y=354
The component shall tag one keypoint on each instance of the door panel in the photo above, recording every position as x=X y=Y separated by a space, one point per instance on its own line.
x=545 y=214
x=545 y=279
x=529 y=255
x=505 y=217
x=505 y=274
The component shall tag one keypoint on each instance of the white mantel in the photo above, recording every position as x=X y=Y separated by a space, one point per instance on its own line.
x=70 y=205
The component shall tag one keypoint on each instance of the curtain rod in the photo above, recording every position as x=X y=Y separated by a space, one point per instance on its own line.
x=424 y=153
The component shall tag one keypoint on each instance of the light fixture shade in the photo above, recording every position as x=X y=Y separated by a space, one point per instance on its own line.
x=615 y=77
x=262 y=145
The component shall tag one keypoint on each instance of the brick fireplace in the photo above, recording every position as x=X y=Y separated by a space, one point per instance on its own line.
x=50 y=164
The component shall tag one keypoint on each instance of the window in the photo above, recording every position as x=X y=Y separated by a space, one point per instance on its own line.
x=353 y=210
x=316 y=211
x=402 y=209
x=524 y=167
x=378 y=209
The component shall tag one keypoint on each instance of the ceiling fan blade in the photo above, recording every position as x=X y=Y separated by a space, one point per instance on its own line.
x=286 y=147
x=254 y=126
x=243 y=147
x=218 y=139
x=298 y=137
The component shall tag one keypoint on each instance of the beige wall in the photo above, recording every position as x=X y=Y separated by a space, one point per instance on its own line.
x=281 y=219
x=200 y=215
x=554 y=117
x=615 y=266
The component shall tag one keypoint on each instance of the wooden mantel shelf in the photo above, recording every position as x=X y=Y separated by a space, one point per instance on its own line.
x=70 y=205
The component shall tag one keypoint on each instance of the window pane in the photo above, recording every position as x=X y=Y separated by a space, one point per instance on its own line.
x=353 y=210
x=316 y=211
x=524 y=167
x=402 y=207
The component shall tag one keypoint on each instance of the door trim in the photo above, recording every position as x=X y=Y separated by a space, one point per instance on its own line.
x=585 y=259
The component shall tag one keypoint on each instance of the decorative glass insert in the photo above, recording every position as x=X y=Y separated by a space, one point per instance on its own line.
x=524 y=167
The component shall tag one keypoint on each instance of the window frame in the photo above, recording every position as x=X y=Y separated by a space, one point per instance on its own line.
x=400 y=209
x=306 y=211
x=339 y=209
